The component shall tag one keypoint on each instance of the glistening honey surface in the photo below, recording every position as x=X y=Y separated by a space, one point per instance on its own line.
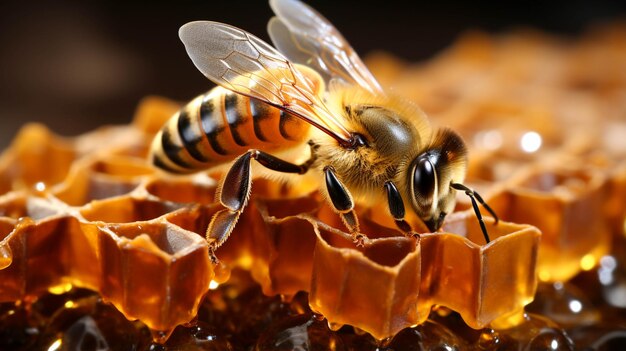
x=104 y=239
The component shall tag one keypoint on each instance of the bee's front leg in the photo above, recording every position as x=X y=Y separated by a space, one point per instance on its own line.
x=234 y=192
x=396 y=208
x=343 y=204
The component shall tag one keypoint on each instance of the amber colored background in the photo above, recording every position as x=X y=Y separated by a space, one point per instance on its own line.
x=74 y=65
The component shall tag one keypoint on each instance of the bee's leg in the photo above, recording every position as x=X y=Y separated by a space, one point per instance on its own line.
x=474 y=196
x=396 y=206
x=234 y=192
x=343 y=204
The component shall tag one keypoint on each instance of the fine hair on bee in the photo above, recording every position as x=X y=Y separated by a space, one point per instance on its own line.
x=309 y=107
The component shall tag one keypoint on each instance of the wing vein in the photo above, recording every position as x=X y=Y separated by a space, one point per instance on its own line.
x=243 y=63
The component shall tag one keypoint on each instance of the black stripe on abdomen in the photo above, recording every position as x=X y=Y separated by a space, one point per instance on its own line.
x=158 y=161
x=209 y=127
x=233 y=117
x=284 y=119
x=258 y=110
x=172 y=150
x=191 y=140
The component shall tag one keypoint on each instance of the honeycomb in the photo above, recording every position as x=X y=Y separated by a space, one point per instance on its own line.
x=102 y=251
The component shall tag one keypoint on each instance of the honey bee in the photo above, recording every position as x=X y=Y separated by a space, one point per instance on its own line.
x=314 y=93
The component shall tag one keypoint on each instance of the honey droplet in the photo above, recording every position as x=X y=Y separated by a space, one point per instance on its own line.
x=566 y=304
x=536 y=333
x=551 y=339
x=6 y=256
x=222 y=273
x=334 y=326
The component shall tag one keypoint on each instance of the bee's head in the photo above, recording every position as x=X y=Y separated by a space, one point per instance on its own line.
x=430 y=175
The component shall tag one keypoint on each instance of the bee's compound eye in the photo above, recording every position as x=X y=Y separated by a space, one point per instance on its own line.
x=424 y=178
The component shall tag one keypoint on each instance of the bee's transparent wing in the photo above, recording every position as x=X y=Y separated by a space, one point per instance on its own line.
x=306 y=37
x=243 y=63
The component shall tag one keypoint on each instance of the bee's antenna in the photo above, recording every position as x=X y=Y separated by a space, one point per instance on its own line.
x=474 y=196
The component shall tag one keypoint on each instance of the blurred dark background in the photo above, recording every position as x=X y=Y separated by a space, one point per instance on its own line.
x=75 y=65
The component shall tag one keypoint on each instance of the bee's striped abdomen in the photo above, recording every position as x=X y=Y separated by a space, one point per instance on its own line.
x=220 y=125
